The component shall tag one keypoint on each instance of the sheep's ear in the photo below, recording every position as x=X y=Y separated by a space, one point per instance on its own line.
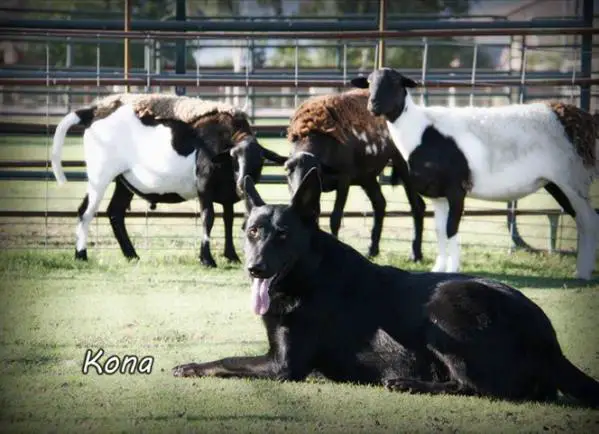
x=306 y=200
x=252 y=198
x=408 y=82
x=360 y=82
x=272 y=156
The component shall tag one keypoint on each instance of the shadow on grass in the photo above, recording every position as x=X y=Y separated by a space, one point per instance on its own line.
x=537 y=282
x=32 y=360
x=249 y=417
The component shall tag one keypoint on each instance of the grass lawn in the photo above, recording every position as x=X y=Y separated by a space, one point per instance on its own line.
x=166 y=306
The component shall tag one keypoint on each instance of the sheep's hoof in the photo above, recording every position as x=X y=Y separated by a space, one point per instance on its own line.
x=233 y=258
x=81 y=255
x=373 y=252
x=208 y=262
x=132 y=258
x=416 y=257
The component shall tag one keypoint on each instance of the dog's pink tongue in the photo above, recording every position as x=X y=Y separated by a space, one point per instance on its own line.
x=260 y=297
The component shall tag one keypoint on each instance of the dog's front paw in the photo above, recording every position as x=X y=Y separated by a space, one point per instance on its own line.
x=188 y=370
x=401 y=385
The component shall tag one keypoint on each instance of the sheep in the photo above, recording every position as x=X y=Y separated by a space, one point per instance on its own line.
x=349 y=146
x=165 y=149
x=498 y=153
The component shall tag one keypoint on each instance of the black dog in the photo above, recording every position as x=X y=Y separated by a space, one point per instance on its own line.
x=326 y=308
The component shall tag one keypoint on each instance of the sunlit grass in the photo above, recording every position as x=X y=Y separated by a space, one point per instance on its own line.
x=53 y=309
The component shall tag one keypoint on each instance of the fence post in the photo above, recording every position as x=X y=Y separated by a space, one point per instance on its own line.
x=586 y=56
x=382 y=26
x=126 y=57
x=180 y=15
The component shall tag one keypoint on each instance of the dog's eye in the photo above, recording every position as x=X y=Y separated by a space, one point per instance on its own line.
x=253 y=232
x=281 y=235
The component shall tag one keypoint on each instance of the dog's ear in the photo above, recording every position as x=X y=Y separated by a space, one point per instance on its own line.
x=360 y=82
x=252 y=198
x=306 y=200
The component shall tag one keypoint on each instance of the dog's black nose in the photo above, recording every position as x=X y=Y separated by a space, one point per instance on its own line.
x=257 y=270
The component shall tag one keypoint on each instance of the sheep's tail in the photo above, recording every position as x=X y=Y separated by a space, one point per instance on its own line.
x=573 y=382
x=73 y=118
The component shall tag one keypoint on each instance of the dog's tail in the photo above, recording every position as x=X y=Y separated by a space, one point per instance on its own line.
x=82 y=116
x=573 y=382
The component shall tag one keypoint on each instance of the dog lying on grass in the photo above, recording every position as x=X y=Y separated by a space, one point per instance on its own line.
x=326 y=308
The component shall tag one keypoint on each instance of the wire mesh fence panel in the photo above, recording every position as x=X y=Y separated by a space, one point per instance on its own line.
x=485 y=71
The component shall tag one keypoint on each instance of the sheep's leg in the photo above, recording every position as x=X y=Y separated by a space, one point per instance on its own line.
x=587 y=225
x=228 y=215
x=561 y=198
x=441 y=207
x=121 y=199
x=416 y=205
x=207 y=208
x=379 y=204
x=87 y=211
x=456 y=208
x=81 y=254
x=418 y=208
x=337 y=214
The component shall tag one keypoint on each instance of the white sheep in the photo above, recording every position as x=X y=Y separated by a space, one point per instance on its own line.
x=166 y=149
x=498 y=153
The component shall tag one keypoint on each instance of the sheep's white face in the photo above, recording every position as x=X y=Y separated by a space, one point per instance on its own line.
x=387 y=92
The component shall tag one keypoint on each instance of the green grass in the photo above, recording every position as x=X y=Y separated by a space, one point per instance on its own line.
x=166 y=306
x=53 y=309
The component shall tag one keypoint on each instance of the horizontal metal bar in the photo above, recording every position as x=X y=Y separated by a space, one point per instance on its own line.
x=32 y=175
x=409 y=42
x=263 y=74
x=287 y=29
x=40 y=129
x=352 y=214
x=347 y=16
x=259 y=82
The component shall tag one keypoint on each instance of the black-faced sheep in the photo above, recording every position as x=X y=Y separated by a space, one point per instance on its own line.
x=349 y=146
x=497 y=153
x=165 y=149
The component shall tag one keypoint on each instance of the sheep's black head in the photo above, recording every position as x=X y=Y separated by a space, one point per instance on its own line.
x=248 y=159
x=299 y=164
x=387 y=91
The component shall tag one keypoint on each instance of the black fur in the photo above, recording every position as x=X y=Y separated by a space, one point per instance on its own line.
x=388 y=92
x=82 y=254
x=437 y=165
x=184 y=137
x=86 y=116
x=117 y=208
x=334 y=312
x=344 y=164
x=561 y=198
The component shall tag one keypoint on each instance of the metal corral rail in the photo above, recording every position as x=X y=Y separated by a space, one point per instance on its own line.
x=181 y=31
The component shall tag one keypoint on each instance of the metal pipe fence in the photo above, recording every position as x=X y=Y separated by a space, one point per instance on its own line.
x=449 y=85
